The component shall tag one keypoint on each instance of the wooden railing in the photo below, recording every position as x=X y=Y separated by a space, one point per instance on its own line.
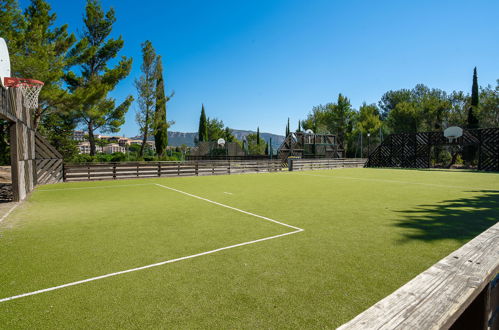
x=129 y=170
x=460 y=291
x=322 y=164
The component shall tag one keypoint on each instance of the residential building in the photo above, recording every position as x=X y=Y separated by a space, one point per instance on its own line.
x=79 y=135
x=84 y=147
x=112 y=148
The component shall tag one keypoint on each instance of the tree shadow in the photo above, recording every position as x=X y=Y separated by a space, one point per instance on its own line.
x=433 y=169
x=460 y=219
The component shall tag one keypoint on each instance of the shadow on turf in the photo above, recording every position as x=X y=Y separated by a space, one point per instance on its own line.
x=435 y=169
x=459 y=219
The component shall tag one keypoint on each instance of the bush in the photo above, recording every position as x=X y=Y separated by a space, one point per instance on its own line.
x=118 y=157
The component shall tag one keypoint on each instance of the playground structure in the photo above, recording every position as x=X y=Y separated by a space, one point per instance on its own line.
x=310 y=145
x=413 y=150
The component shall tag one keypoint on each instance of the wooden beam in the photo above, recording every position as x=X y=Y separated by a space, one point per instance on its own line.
x=436 y=298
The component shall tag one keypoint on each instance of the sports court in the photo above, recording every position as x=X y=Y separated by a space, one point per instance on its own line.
x=290 y=250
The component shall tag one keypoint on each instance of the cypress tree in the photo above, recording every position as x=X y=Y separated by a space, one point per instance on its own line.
x=474 y=90
x=203 y=127
x=469 y=152
x=258 y=136
x=287 y=128
x=266 y=149
x=146 y=90
x=472 y=119
x=160 y=122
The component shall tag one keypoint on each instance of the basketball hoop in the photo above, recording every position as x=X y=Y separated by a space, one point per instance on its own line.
x=30 y=89
x=453 y=133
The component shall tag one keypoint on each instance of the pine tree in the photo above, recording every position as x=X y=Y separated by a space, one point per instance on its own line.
x=299 y=126
x=90 y=88
x=146 y=89
x=203 y=126
x=12 y=26
x=258 y=135
x=40 y=51
x=161 y=124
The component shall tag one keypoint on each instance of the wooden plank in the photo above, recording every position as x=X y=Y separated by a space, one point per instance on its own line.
x=437 y=297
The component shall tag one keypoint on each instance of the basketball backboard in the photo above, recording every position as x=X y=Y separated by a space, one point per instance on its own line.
x=4 y=60
x=453 y=133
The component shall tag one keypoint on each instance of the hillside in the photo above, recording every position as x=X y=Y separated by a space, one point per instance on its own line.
x=179 y=138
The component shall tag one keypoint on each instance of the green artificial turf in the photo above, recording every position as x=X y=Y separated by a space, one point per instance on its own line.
x=366 y=233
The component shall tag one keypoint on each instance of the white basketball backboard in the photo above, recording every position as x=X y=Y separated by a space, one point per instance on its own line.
x=453 y=132
x=4 y=60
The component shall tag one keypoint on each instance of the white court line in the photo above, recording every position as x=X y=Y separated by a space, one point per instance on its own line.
x=97 y=187
x=391 y=181
x=228 y=193
x=9 y=211
x=297 y=230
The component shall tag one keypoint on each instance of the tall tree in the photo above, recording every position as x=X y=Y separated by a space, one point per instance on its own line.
x=472 y=117
x=299 y=126
x=215 y=129
x=203 y=127
x=161 y=123
x=287 y=128
x=146 y=90
x=255 y=146
x=95 y=78
x=474 y=90
x=12 y=26
x=469 y=152
x=258 y=135
x=489 y=106
x=39 y=50
x=228 y=136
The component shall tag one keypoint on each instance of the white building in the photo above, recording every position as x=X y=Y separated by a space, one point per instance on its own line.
x=113 y=147
x=79 y=135
x=84 y=147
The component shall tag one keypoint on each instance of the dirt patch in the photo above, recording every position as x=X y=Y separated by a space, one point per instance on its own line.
x=5 y=174
x=5 y=184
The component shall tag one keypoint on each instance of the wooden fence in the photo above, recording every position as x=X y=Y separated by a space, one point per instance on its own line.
x=321 y=164
x=130 y=170
x=48 y=161
x=461 y=291
x=413 y=150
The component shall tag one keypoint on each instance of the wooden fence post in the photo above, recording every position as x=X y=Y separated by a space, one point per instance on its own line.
x=196 y=167
x=159 y=169
x=114 y=171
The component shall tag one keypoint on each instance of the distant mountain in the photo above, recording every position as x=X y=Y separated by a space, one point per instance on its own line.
x=179 y=138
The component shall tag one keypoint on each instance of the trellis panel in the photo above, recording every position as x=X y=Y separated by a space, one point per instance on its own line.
x=412 y=150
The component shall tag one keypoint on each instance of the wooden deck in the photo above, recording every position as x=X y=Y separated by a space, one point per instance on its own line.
x=461 y=291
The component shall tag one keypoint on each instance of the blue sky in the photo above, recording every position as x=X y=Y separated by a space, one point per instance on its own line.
x=256 y=62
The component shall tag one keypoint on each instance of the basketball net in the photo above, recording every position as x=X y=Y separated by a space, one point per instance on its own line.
x=30 y=89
